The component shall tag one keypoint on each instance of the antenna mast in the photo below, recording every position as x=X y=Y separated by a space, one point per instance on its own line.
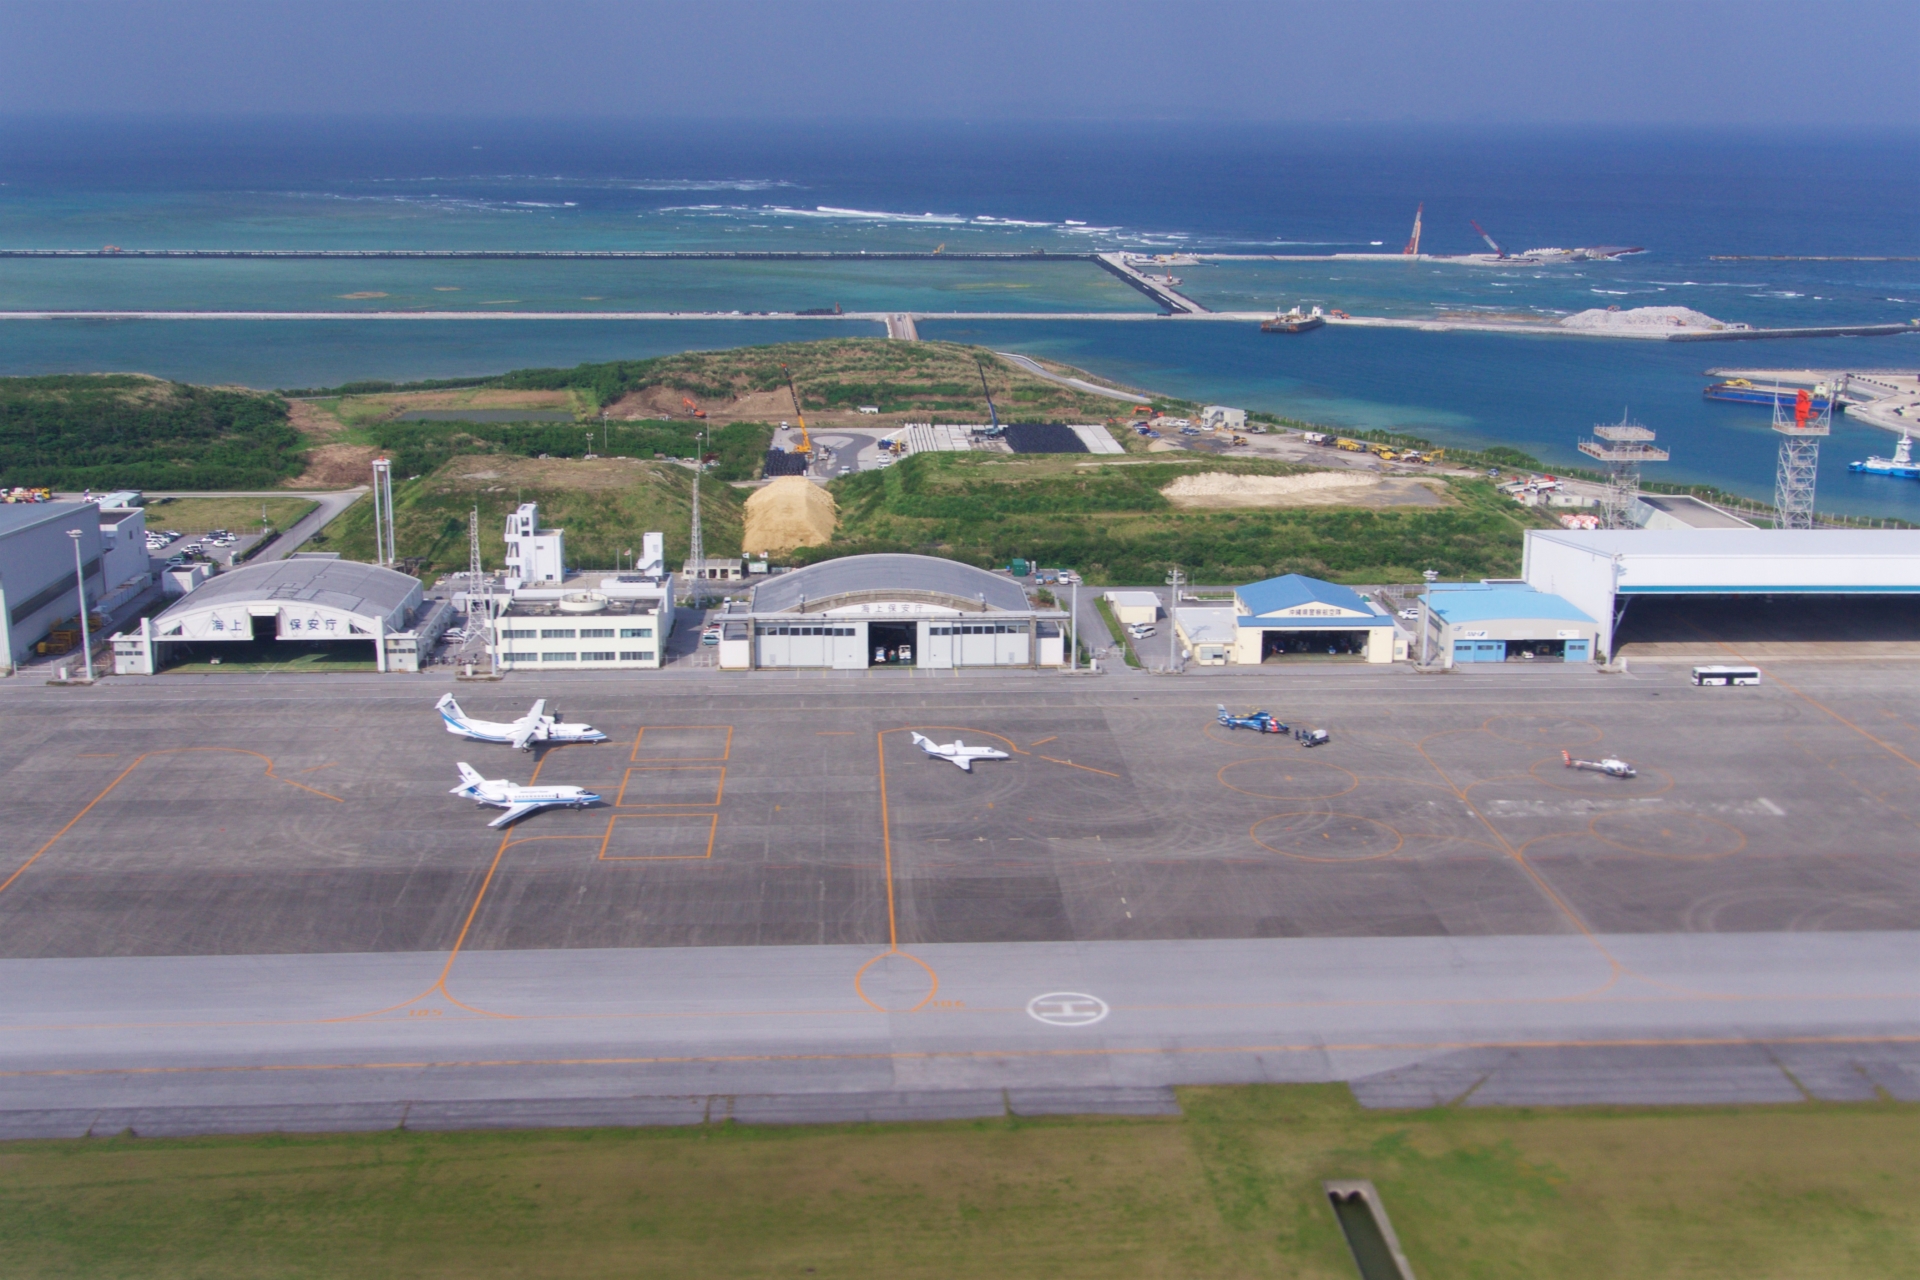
x=696 y=554
x=384 y=552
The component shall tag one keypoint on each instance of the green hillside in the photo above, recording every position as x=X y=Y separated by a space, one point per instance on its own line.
x=604 y=506
x=113 y=431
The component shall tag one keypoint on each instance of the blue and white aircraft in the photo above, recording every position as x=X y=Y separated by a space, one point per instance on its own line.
x=535 y=726
x=518 y=801
x=1258 y=721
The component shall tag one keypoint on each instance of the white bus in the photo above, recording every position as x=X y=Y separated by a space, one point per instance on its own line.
x=1726 y=675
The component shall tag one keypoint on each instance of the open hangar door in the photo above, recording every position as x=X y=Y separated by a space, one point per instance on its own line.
x=1313 y=646
x=1780 y=618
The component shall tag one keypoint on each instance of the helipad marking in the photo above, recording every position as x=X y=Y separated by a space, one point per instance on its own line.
x=1067 y=1009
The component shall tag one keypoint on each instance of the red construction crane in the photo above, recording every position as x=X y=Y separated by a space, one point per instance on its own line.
x=1492 y=244
x=1413 y=245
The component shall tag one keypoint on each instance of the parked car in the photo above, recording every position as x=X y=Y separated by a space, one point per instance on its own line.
x=1408 y=615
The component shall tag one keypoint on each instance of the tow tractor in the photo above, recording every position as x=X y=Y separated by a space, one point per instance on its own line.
x=1612 y=766
x=1258 y=721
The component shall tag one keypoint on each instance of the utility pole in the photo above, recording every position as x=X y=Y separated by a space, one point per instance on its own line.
x=1073 y=621
x=1426 y=612
x=86 y=637
x=1176 y=580
x=696 y=554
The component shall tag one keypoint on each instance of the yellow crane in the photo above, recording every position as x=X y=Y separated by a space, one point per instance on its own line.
x=806 y=441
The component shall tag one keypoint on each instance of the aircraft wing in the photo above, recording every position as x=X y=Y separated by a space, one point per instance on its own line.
x=517 y=811
x=963 y=761
x=523 y=733
x=539 y=709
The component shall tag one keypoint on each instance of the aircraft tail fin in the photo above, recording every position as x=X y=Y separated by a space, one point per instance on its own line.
x=1566 y=758
x=920 y=740
x=469 y=776
x=450 y=712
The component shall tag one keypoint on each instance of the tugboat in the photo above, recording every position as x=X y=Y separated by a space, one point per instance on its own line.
x=1295 y=321
x=1900 y=464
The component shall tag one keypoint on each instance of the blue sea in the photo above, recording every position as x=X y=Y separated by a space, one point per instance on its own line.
x=1720 y=215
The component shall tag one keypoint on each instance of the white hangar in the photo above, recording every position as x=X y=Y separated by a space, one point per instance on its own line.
x=891 y=610
x=316 y=598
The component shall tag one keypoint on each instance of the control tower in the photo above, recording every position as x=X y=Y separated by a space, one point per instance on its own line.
x=1623 y=446
x=1800 y=436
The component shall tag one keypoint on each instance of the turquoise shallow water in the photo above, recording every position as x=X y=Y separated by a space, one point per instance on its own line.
x=1688 y=198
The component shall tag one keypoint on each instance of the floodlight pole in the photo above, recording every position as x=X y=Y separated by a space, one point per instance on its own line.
x=80 y=579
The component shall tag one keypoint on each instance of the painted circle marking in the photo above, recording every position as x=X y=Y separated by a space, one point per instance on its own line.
x=1067 y=1009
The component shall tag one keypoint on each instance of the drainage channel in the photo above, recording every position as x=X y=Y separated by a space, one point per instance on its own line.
x=1363 y=1220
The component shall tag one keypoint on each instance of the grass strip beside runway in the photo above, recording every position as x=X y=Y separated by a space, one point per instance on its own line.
x=1230 y=1189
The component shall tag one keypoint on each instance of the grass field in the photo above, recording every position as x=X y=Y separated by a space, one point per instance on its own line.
x=1112 y=524
x=1230 y=1189
x=241 y=515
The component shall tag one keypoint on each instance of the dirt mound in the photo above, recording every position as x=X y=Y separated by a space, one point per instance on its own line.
x=1638 y=319
x=790 y=512
x=331 y=466
x=1223 y=489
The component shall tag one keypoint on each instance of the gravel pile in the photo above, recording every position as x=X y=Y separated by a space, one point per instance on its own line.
x=1642 y=318
x=790 y=512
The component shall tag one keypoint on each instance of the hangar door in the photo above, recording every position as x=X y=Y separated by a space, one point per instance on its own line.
x=839 y=645
x=980 y=644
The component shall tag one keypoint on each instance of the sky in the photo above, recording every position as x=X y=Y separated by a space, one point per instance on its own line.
x=1768 y=63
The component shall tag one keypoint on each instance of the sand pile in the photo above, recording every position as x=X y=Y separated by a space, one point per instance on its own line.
x=791 y=512
x=1641 y=319
x=1222 y=489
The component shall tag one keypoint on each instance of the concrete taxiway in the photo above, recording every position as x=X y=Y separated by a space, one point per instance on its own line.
x=248 y=902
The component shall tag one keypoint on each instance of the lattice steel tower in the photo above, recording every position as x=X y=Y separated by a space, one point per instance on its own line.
x=696 y=555
x=384 y=551
x=1800 y=436
x=1623 y=446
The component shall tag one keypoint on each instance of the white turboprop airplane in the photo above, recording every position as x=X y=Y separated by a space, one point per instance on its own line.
x=535 y=726
x=518 y=801
x=957 y=752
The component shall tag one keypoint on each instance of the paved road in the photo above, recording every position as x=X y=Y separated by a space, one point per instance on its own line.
x=1039 y=370
x=331 y=505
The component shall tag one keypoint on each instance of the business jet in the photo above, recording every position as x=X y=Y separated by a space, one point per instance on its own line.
x=957 y=752
x=518 y=801
x=535 y=726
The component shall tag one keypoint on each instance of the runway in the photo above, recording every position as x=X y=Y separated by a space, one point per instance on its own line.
x=246 y=902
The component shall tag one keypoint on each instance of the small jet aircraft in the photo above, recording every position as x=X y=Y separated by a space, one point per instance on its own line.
x=1258 y=721
x=535 y=726
x=957 y=752
x=1612 y=766
x=518 y=801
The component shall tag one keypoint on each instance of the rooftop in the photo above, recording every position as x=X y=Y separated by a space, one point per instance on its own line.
x=339 y=584
x=1488 y=602
x=1293 y=589
x=1759 y=544
x=15 y=516
x=872 y=574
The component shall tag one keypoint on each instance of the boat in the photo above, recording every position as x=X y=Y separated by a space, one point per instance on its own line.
x=1295 y=321
x=1900 y=464
x=1741 y=391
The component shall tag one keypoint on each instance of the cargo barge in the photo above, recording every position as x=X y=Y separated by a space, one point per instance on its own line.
x=1741 y=391
x=1295 y=321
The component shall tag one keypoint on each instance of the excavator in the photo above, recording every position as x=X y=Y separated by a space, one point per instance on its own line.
x=806 y=441
x=693 y=408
